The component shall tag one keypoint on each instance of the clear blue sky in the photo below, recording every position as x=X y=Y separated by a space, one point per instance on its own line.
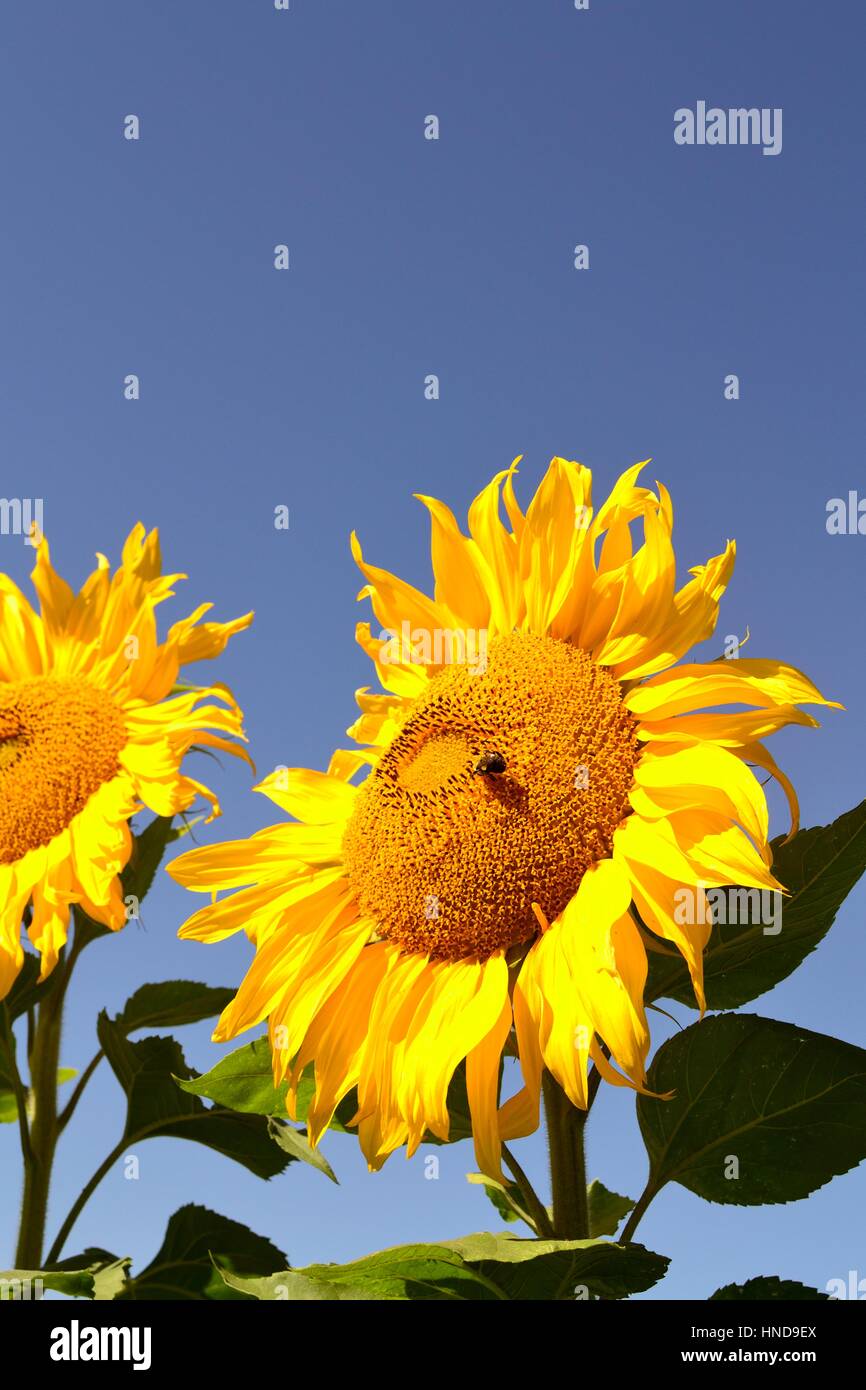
x=305 y=388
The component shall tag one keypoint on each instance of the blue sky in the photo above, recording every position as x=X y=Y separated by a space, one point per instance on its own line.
x=306 y=388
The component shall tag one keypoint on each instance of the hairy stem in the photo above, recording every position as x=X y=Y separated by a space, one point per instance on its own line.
x=66 y=1114
x=44 y=1045
x=637 y=1212
x=534 y=1206
x=43 y=1130
x=84 y=1197
x=126 y=1142
x=565 y=1131
x=7 y=1040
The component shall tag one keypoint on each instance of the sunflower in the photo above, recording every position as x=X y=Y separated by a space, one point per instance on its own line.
x=543 y=783
x=89 y=734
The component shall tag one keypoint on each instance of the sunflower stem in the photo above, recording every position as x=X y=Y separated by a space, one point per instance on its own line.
x=565 y=1131
x=534 y=1206
x=66 y=1114
x=42 y=1104
x=84 y=1197
x=8 y=1043
x=638 y=1210
x=43 y=1136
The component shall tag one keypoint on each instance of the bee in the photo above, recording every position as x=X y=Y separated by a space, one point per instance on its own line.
x=489 y=765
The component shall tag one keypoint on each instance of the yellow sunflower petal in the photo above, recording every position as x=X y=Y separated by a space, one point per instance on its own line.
x=730 y=730
x=482 y=1088
x=695 y=686
x=585 y=976
x=336 y=1039
x=312 y=797
x=381 y=1126
x=519 y=1115
x=693 y=618
x=458 y=567
x=678 y=913
x=324 y=946
x=704 y=775
x=310 y=894
x=499 y=549
x=395 y=602
x=463 y=1004
x=762 y=757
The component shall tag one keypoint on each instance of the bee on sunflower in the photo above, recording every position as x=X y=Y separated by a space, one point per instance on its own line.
x=524 y=828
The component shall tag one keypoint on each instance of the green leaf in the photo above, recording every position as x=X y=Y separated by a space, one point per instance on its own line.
x=552 y=1269
x=183 y=1269
x=27 y=992
x=109 y=1280
x=166 y=1004
x=156 y=1106
x=148 y=848
x=767 y=1288
x=8 y=1102
x=606 y=1209
x=86 y=929
x=244 y=1081
x=101 y=1278
x=297 y=1145
x=411 y=1272
x=481 y=1267
x=819 y=867
x=109 y=1274
x=506 y=1197
x=171 y=1004
x=782 y=1107
x=32 y=1283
